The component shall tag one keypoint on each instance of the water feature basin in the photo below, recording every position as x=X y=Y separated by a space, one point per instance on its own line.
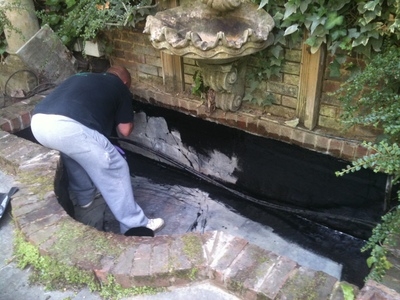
x=199 y=31
x=217 y=34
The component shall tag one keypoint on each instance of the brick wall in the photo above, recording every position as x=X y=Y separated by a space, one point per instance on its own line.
x=132 y=48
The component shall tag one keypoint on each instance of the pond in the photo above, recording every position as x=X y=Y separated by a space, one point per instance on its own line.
x=285 y=199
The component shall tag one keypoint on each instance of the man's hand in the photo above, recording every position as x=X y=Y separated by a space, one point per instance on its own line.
x=125 y=128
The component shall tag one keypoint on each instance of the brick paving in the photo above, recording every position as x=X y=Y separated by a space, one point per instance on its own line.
x=232 y=263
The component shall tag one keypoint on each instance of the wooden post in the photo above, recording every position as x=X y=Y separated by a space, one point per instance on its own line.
x=311 y=77
x=172 y=65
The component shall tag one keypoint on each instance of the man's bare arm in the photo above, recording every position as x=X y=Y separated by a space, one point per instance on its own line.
x=125 y=128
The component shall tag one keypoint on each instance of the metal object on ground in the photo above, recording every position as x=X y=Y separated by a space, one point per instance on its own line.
x=5 y=199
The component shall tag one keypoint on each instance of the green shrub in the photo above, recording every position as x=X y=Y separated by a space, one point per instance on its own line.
x=371 y=98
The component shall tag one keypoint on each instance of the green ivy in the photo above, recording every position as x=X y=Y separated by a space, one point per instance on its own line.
x=343 y=26
x=198 y=89
x=371 y=98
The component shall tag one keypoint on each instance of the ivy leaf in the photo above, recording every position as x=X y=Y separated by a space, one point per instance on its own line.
x=371 y=5
x=333 y=20
x=353 y=33
x=338 y=34
x=304 y=6
x=263 y=3
x=70 y=3
x=276 y=51
x=291 y=29
x=376 y=43
x=317 y=44
x=317 y=21
x=361 y=40
x=334 y=69
x=290 y=9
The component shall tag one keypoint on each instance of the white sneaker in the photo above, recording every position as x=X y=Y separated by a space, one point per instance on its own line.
x=155 y=224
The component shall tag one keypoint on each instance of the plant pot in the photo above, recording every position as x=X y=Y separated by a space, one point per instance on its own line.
x=94 y=48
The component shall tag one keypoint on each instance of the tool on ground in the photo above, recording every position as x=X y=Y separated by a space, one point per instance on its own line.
x=5 y=199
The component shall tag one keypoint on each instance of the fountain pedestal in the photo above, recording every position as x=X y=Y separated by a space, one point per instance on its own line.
x=227 y=81
x=215 y=33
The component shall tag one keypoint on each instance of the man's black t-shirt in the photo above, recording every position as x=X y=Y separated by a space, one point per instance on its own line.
x=99 y=101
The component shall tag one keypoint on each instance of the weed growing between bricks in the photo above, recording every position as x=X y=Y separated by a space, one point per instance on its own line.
x=55 y=275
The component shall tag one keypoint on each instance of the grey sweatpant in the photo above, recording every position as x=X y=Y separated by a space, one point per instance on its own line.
x=91 y=161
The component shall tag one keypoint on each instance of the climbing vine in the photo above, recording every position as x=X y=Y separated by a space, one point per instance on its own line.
x=343 y=26
x=371 y=98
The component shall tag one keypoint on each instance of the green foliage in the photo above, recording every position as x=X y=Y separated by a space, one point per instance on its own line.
x=56 y=275
x=113 y=290
x=383 y=237
x=86 y=19
x=198 y=89
x=371 y=98
x=385 y=158
x=344 y=26
x=49 y=271
x=348 y=291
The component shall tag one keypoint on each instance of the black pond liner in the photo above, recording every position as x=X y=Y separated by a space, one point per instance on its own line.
x=291 y=189
x=320 y=239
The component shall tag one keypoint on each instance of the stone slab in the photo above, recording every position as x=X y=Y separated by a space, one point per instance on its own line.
x=47 y=56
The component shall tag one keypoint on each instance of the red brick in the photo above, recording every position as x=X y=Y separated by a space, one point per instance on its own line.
x=5 y=125
x=331 y=86
x=348 y=151
x=321 y=143
x=26 y=119
x=230 y=118
x=252 y=125
x=286 y=134
x=241 y=122
x=16 y=124
x=309 y=140
x=360 y=152
x=262 y=127
x=335 y=147
x=225 y=251
x=298 y=137
x=274 y=130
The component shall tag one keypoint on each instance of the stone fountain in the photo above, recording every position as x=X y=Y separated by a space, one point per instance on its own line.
x=217 y=34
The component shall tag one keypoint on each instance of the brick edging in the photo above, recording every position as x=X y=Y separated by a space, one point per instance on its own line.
x=327 y=144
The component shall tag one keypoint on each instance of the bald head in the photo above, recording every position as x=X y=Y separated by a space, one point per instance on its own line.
x=122 y=73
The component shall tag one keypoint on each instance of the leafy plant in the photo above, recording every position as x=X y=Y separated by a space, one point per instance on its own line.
x=348 y=291
x=343 y=26
x=371 y=98
x=56 y=275
x=198 y=89
x=86 y=19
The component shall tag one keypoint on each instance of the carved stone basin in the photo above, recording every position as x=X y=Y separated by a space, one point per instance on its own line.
x=216 y=33
x=202 y=31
